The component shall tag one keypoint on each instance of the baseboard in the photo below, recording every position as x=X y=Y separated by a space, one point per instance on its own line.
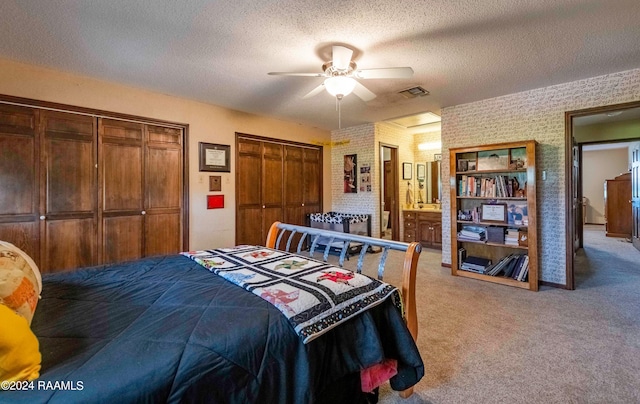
x=444 y=264
x=553 y=285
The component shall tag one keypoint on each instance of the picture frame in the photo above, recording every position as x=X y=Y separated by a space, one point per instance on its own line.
x=350 y=177
x=407 y=169
x=215 y=157
x=493 y=212
x=420 y=172
x=492 y=160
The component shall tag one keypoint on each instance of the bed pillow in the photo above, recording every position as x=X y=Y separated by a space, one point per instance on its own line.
x=20 y=281
x=19 y=350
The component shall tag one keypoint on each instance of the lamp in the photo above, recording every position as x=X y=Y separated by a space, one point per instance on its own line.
x=339 y=86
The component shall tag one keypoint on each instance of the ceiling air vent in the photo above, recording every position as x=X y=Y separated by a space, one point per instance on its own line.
x=414 y=92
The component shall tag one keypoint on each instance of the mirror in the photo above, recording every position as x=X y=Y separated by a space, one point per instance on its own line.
x=420 y=176
x=433 y=182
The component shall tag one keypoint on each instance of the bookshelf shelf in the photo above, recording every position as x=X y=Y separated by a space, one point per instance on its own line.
x=470 y=222
x=488 y=243
x=500 y=174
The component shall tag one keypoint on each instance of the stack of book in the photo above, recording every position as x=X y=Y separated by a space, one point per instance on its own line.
x=512 y=237
x=473 y=233
x=514 y=266
x=475 y=264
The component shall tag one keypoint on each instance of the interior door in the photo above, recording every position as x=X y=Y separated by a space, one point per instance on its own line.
x=635 y=196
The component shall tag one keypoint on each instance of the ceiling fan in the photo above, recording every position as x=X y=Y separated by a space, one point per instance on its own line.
x=341 y=74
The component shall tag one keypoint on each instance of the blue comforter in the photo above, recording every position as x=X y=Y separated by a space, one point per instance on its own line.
x=164 y=329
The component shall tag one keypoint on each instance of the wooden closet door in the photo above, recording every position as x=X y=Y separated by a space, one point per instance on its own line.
x=68 y=202
x=163 y=191
x=303 y=186
x=272 y=187
x=312 y=175
x=294 y=178
x=19 y=179
x=122 y=193
x=248 y=192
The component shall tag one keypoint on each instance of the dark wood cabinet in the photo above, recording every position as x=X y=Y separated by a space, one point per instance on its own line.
x=429 y=229
x=276 y=181
x=81 y=190
x=424 y=227
x=617 y=206
x=409 y=224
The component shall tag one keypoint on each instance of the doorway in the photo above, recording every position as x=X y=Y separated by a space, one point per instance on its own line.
x=605 y=121
x=389 y=207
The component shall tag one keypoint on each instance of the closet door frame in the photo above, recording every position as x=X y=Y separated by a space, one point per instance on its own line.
x=97 y=113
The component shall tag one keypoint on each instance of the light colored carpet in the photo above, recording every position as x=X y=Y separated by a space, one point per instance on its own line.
x=489 y=343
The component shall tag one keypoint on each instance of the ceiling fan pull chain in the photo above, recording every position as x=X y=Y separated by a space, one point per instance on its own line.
x=339 y=112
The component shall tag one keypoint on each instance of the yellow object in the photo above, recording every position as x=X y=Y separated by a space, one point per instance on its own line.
x=19 y=349
x=20 y=281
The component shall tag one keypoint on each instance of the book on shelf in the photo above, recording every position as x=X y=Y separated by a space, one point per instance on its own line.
x=515 y=266
x=475 y=264
x=471 y=233
x=511 y=238
x=522 y=274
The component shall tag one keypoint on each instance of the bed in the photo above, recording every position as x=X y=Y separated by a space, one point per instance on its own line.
x=165 y=329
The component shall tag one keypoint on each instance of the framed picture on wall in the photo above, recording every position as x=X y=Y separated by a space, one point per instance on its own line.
x=215 y=157
x=407 y=168
x=350 y=173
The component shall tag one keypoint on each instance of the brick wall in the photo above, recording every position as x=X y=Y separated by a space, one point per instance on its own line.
x=537 y=114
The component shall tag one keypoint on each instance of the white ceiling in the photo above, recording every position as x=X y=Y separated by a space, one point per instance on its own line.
x=220 y=52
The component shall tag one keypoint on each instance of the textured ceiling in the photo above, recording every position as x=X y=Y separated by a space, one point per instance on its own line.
x=220 y=52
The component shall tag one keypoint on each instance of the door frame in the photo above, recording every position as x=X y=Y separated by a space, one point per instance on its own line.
x=394 y=214
x=569 y=213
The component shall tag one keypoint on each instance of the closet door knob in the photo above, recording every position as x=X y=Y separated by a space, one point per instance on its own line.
x=263 y=206
x=143 y=213
x=303 y=203
x=42 y=217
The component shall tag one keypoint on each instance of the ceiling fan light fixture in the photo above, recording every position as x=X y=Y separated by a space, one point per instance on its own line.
x=339 y=86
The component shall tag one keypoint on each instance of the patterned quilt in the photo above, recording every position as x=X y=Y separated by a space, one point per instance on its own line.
x=312 y=294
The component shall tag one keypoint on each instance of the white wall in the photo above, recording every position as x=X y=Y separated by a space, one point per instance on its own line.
x=539 y=115
x=207 y=123
x=598 y=166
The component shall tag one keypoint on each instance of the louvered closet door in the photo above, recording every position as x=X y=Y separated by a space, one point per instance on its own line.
x=19 y=179
x=68 y=197
x=122 y=179
x=163 y=191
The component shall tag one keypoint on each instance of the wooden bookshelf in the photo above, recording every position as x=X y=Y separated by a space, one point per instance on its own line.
x=504 y=175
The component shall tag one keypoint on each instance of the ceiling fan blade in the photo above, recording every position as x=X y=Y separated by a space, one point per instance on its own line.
x=296 y=74
x=363 y=92
x=315 y=91
x=341 y=57
x=384 y=73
